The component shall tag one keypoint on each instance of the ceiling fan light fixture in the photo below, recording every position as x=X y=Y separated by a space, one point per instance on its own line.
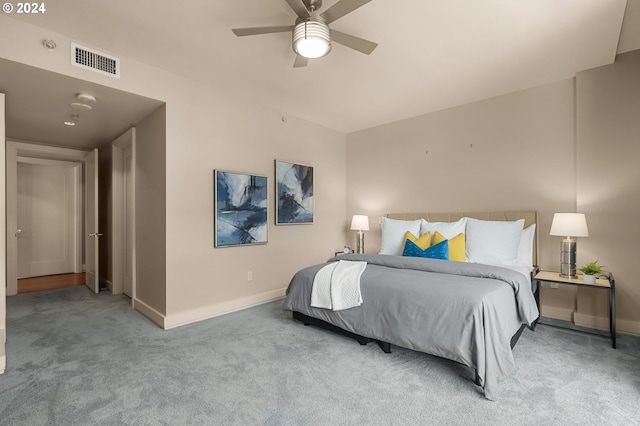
x=311 y=39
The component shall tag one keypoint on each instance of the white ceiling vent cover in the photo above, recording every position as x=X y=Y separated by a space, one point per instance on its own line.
x=85 y=57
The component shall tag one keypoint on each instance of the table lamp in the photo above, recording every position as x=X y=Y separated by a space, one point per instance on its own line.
x=569 y=225
x=360 y=223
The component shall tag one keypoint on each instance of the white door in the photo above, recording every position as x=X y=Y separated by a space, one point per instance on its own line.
x=48 y=217
x=91 y=224
x=128 y=222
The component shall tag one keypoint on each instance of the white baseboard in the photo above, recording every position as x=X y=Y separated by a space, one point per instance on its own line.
x=590 y=321
x=3 y=357
x=156 y=317
x=555 y=312
x=207 y=312
x=108 y=285
x=628 y=327
x=602 y=323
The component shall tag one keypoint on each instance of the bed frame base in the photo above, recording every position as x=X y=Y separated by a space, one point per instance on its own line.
x=385 y=346
x=307 y=320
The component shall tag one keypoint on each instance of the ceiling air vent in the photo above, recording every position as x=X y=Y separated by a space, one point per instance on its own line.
x=93 y=60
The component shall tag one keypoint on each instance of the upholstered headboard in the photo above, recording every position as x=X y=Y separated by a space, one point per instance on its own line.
x=530 y=217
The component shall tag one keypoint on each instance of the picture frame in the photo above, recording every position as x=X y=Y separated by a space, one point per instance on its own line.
x=294 y=195
x=240 y=209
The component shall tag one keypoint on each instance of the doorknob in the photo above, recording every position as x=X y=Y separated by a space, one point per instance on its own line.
x=18 y=232
x=95 y=234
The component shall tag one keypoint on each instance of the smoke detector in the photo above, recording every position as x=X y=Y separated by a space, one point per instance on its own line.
x=49 y=44
x=85 y=97
x=84 y=100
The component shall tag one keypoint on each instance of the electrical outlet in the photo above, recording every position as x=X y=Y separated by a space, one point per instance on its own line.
x=553 y=285
x=249 y=275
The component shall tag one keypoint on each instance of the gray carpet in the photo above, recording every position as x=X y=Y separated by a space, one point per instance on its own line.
x=76 y=358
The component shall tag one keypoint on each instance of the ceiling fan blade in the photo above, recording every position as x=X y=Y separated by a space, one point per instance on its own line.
x=356 y=43
x=241 y=32
x=341 y=8
x=299 y=8
x=300 y=61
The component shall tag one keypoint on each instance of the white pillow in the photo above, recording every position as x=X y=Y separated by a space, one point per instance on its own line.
x=525 y=249
x=493 y=242
x=446 y=229
x=393 y=232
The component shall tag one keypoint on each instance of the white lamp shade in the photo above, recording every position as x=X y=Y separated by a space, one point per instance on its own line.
x=569 y=225
x=360 y=223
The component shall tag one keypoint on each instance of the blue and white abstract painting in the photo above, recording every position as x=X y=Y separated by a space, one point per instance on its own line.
x=294 y=193
x=240 y=209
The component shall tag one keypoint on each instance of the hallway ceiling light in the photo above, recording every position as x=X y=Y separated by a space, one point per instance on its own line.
x=73 y=119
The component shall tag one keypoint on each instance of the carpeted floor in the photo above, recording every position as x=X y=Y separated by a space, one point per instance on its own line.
x=77 y=358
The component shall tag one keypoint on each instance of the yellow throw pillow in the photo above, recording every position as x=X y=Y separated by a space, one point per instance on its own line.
x=424 y=242
x=457 y=247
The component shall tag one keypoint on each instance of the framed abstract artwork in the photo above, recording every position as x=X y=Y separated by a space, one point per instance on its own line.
x=240 y=209
x=294 y=193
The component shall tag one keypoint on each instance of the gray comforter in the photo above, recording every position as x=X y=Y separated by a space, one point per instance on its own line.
x=465 y=312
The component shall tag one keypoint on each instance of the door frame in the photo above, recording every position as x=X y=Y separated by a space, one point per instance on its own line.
x=14 y=150
x=91 y=222
x=3 y=248
x=118 y=213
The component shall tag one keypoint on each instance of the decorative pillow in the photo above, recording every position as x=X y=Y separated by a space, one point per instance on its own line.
x=446 y=229
x=439 y=251
x=525 y=249
x=424 y=242
x=457 y=250
x=393 y=232
x=493 y=242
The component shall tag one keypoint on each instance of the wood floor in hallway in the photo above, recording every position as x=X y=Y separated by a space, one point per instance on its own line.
x=50 y=282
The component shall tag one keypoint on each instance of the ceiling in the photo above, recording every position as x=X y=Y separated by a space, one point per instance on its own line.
x=37 y=104
x=432 y=54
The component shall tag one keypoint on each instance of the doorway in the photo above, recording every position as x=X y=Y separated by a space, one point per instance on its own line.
x=38 y=165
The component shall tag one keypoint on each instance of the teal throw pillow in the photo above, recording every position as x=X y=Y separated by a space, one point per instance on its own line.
x=437 y=251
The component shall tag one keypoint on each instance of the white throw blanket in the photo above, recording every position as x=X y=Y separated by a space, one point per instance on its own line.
x=337 y=286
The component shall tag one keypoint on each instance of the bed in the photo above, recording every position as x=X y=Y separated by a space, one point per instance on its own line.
x=464 y=310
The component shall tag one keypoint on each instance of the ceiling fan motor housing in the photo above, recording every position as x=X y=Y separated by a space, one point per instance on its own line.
x=311 y=38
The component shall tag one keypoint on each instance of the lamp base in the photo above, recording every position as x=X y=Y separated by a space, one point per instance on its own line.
x=568 y=276
x=360 y=246
x=568 y=258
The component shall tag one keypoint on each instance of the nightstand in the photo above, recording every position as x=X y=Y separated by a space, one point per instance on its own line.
x=603 y=282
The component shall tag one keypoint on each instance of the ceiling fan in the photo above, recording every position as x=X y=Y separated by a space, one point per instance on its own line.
x=311 y=35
